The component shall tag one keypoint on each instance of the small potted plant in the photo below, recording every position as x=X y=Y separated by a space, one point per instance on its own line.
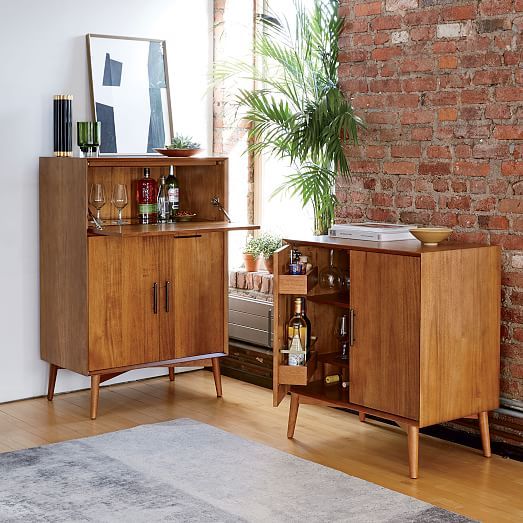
x=268 y=244
x=251 y=253
x=181 y=146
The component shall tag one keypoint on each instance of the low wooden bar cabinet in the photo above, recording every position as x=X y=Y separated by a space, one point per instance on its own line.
x=131 y=296
x=425 y=342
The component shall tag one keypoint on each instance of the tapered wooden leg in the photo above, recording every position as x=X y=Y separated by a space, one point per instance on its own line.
x=485 y=434
x=95 y=393
x=171 y=373
x=217 y=376
x=413 y=438
x=293 y=414
x=362 y=416
x=53 y=370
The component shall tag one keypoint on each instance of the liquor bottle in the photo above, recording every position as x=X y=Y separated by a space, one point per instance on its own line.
x=173 y=193
x=146 y=198
x=294 y=267
x=299 y=334
x=163 y=202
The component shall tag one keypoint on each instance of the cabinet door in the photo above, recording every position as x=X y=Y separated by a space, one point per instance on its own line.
x=281 y=314
x=195 y=324
x=384 y=360
x=123 y=327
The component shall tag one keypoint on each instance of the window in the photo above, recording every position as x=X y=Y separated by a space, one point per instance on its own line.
x=282 y=214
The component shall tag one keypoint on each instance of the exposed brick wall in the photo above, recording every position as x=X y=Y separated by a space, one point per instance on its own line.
x=440 y=85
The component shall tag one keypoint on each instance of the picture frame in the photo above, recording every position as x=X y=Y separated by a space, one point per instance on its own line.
x=130 y=93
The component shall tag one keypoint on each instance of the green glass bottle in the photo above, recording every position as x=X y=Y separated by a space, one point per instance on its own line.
x=173 y=194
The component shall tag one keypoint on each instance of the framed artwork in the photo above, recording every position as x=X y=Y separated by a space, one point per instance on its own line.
x=130 y=93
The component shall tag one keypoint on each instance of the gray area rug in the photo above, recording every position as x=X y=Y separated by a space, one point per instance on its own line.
x=188 y=471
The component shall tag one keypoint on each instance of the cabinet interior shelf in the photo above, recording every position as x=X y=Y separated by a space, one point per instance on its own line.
x=337 y=396
x=332 y=393
x=333 y=358
x=339 y=299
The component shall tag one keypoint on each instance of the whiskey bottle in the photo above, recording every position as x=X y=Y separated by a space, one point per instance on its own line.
x=146 y=198
x=173 y=194
x=299 y=334
x=163 y=202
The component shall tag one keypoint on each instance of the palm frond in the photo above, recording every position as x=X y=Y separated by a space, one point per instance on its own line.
x=299 y=113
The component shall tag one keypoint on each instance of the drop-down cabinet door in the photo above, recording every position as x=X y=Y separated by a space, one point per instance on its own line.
x=192 y=299
x=384 y=359
x=123 y=311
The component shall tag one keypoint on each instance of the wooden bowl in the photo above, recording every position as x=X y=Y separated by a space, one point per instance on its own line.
x=430 y=235
x=173 y=153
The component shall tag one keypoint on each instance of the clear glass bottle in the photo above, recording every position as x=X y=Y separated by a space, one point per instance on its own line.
x=173 y=194
x=146 y=198
x=299 y=334
x=163 y=202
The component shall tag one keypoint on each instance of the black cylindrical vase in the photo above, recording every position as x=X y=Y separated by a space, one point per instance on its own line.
x=63 y=124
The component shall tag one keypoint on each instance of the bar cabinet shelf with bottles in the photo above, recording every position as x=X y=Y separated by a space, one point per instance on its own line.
x=132 y=296
x=424 y=344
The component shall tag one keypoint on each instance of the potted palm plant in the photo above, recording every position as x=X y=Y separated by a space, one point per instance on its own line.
x=298 y=112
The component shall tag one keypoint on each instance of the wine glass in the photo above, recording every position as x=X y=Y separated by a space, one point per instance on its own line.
x=119 y=200
x=97 y=198
x=342 y=334
x=345 y=280
x=330 y=277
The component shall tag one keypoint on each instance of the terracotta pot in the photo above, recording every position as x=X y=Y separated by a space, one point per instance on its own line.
x=251 y=263
x=269 y=264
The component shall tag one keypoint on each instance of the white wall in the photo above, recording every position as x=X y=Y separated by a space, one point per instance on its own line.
x=42 y=53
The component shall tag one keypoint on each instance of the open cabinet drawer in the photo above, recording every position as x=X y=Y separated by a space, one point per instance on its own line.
x=322 y=308
x=298 y=374
x=285 y=287
x=298 y=283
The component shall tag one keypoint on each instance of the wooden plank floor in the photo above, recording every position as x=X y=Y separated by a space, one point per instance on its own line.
x=451 y=476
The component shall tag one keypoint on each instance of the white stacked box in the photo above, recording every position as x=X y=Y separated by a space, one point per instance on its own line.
x=372 y=231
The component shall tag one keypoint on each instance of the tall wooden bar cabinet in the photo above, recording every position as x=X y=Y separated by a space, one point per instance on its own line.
x=131 y=296
x=425 y=341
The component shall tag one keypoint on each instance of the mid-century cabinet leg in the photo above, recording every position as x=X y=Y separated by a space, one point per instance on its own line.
x=53 y=370
x=413 y=443
x=485 y=435
x=362 y=416
x=217 y=376
x=171 y=373
x=95 y=393
x=293 y=414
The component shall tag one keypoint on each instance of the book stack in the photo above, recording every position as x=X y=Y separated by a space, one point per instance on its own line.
x=371 y=231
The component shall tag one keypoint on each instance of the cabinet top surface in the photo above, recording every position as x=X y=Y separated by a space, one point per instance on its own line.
x=405 y=247
x=169 y=229
x=147 y=161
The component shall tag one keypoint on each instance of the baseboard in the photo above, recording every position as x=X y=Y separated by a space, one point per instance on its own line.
x=447 y=433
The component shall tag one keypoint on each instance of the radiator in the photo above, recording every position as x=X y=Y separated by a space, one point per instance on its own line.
x=251 y=321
